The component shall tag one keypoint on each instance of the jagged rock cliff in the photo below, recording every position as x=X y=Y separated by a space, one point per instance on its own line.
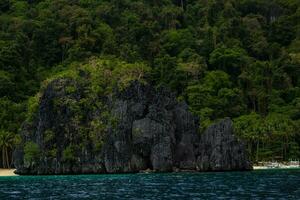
x=135 y=129
x=219 y=150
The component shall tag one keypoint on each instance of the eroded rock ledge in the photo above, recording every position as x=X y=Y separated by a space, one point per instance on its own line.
x=148 y=129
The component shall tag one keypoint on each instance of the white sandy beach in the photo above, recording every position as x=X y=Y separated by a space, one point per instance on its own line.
x=277 y=165
x=7 y=172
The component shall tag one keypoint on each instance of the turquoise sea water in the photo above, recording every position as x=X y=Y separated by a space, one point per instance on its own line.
x=261 y=184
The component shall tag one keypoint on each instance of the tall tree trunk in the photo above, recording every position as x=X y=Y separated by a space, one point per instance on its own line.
x=12 y=158
x=3 y=158
x=286 y=143
x=257 y=150
x=7 y=158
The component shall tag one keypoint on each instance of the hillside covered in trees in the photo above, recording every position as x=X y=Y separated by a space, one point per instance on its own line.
x=225 y=58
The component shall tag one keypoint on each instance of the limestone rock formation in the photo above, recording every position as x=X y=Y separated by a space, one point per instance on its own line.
x=219 y=150
x=135 y=129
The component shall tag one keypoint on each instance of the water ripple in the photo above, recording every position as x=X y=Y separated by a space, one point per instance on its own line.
x=269 y=184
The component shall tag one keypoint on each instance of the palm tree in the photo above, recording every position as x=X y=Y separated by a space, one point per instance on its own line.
x=7 y=140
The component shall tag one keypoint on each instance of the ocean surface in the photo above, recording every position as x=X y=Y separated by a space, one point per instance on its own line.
x=260 y=184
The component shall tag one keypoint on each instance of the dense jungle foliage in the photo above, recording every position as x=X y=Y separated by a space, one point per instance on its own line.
x=226 y=58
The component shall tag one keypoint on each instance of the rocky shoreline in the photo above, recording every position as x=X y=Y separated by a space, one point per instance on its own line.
x=147 y=129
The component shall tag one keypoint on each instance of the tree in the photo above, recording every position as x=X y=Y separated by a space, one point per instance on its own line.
x=169 y=16
x=68 y=154
x=283 y=132
x=282 y=31
x=7 y=142
x=6 y=84
x=268 y=138
x=254 y=36
x=193 y=65
x=175 y=41
x=130 y=72
x=31 y=152
x=214 y=98
x=231 y=60
x=4 y=5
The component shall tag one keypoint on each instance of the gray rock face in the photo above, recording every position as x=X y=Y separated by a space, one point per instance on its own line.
x=219 y=150
x=148 y=129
